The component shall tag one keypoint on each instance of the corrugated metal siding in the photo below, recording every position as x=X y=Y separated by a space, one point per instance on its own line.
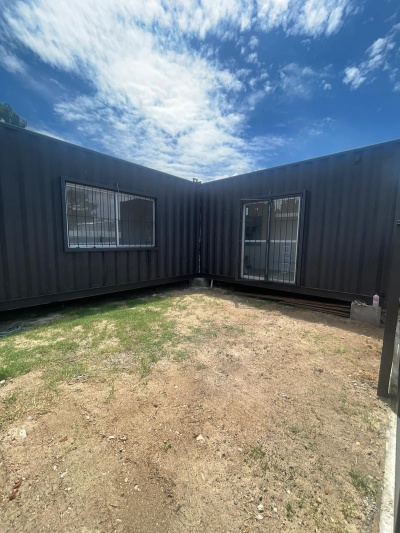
x=348 y=218
x=33 y=262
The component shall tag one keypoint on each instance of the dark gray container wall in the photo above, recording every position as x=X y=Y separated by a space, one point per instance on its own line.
x=348 y=219
x=35 y=267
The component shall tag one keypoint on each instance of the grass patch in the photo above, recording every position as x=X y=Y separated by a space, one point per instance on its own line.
x=80 y=338
x=257 y=453
x=10 y=399
x=347 y=509
x=340 y=350
x=346 y=408
x=111 y=394
x=363 y=484
x=289 y=511
x=233 y=329
x=181 y=355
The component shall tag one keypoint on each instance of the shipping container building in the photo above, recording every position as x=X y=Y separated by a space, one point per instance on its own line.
x=322 y=227
x=74 y=223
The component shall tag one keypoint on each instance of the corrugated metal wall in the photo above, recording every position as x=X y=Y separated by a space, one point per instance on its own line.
x=349 y=210
x=347 y=226
x=33 y=262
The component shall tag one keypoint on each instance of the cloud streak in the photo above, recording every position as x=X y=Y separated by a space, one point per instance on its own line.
x=380 y=56
x=153 y=97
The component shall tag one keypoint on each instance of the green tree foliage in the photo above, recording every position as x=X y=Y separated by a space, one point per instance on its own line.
x=9 y=116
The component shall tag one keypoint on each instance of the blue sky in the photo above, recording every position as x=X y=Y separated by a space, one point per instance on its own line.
x=205 y=88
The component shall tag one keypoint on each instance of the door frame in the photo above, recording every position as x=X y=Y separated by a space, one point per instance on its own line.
x=240 y=228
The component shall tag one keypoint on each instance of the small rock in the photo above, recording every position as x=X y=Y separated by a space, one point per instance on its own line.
x=63 y=474
x=111 y=437
x=126 y=480
x=260 y=507
x=275 y=510
x=18 y=433
x=319 y=500
x=200 y=438
x=2 y=382
x=259 y=517
x=235 y=502
x=136 y=487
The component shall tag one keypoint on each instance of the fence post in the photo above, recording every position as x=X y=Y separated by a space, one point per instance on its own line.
x=393 y=295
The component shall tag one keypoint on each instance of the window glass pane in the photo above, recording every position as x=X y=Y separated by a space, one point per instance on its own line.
x=136 y=220
x=283 y=241
x=256 y=221
x=90 y=216
x=255 y=228
x=100 y=218
x=254 y=260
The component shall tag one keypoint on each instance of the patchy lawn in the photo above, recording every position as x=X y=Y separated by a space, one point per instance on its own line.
x=191 y=411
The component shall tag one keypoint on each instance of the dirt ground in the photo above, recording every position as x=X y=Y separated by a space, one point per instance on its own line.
x=270 y=422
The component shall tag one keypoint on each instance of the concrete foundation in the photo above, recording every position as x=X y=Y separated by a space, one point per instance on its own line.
x=200 y=283
x=365 y=313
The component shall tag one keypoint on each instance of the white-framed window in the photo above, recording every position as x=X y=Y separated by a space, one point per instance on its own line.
x=270 y=236
x=102 y=218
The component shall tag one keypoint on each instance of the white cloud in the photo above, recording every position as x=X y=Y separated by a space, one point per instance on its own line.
x=253 y=42
x=318 y=127
x=311 y=17
x=298 y=81
x=153 y=97
x=381 y=56
x=396 y=88
x=252 y=58
x=353 y=77
x=11 y=62
x=268 y=87
x=326 y=86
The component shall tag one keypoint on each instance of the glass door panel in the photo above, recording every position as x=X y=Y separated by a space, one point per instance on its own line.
x=270 y=236
x=283 y=239
x=254 y=239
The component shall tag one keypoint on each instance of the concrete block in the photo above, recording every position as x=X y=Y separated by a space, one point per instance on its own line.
x=200 y=283
x=365 y=313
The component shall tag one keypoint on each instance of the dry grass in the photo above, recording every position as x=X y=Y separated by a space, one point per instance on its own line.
x=116 y=396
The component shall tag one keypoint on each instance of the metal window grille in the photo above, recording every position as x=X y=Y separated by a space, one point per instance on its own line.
x=270 y=235
x=100 y=218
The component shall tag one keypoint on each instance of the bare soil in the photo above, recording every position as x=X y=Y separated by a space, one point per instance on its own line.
x=268 y=422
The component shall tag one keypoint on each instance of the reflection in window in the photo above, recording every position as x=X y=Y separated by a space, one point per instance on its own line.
x=135 y=221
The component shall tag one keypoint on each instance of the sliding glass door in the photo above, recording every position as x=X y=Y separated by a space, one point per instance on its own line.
x=270 y=234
